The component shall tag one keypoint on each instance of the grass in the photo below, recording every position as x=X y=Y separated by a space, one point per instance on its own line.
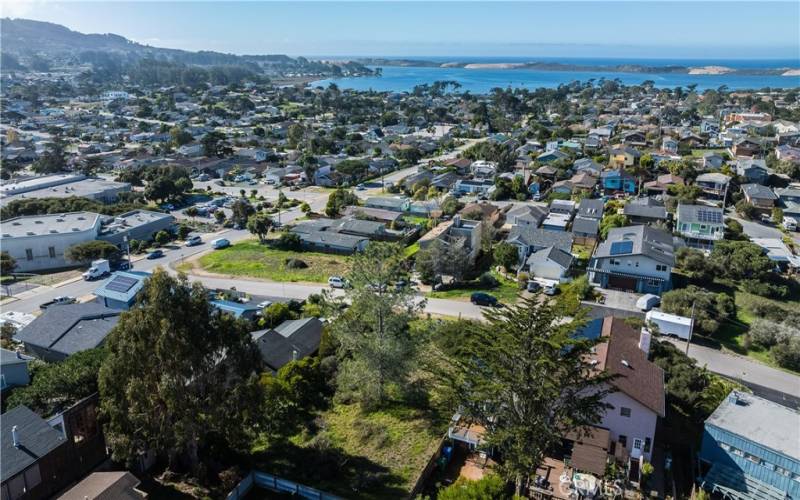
x=415 y=219
x=507 y=291
x=698 y=153
x=411 y=250
x=251 y=259
x=358 y=454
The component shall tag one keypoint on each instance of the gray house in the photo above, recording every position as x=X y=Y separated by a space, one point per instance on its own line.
x=752 y=170
x=13 y=369
x=291 y=340
x=529 y=239
x=527 y=215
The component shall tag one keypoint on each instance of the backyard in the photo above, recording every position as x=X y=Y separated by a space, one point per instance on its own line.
x=254 y=260
x=506 y=291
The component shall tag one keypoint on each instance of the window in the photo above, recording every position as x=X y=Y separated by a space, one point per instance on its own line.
x=647 y=445
x=725 y=447
x=625 y=412
x=752 y=458
x=52 y=251
x=637 y=444
x=660 y=267
x=29 y=254
x=623 y=440
x=737 y=452
x=782 y=471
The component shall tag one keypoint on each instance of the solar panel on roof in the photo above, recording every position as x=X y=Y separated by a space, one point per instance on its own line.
x=621 y=247
x=709 y=216
x=121 y=284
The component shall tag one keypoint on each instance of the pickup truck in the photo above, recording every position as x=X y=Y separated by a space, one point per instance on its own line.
x=58 y=301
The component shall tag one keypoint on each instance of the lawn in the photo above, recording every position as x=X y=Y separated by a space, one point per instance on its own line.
x=251 y=259
x=507 y=291
x=698 y=153
x=356 y=454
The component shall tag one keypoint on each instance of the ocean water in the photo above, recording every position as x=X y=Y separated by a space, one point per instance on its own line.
x=479 y=81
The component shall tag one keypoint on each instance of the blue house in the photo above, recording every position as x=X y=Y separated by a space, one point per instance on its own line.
x=618 y=181
x=120 y=290
x=246 y=311
x=751 y=450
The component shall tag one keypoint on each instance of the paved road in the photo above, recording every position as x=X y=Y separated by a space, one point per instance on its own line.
x=758 y=230
x=745 y=370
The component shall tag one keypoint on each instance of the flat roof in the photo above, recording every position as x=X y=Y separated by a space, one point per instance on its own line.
x=132 y=219
x=34 y=183
x=78 y=187
x=673 y=318
x=39 y=225
x=763 y=422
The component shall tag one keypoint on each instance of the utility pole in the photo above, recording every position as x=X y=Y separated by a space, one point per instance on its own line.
x=280 y=205
x=128 y=249
x=691 y=330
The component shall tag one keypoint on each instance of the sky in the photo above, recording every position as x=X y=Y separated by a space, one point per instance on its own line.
x=629 y=29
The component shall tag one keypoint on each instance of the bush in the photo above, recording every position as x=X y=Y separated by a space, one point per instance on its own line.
x=289 y=241
x=746 y=210
x=275 y=314
x=710 y=309
x=768 y=333
x=296 y=264
x=787 y=354
x=764 y=289
x=488 y=281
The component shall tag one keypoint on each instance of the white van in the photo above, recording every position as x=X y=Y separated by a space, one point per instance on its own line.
x=790 y=223
x=337 y=282
x=220 y=243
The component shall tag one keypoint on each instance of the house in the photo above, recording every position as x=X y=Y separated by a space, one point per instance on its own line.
x=583 y=182
x=639 y=400
x=557 y=221
x=566 y=207
x=39 y=242
x=645 y=211
x=634 y=258
x=483 y=211
x=709 y=127
x=713 y=161
x=788 y=153
x=587 y=165
x=700 y=225
x=42 y=457
x=713 y=183
x=550 y=264
x=376 y=214
x=635 y=138
x=759 y=196
x=63 y=330
x=459 y=232
x=585 y=230
x=529 y=239
x=624 y=156
x=669 y=146
x=751 y=449
x=789 y=200
x=777 y=251
x=476 y=187
x=390 y=203
x=106 y=486
x=590 y=208
x=120 y=290
x=290 y=341
x=444 y=181
x=13 y=369
x=662 y=183
x=236 y=309
x=752 y=170
x=746 y=147
x=618 y=181
x=483 y=169
x=526 y=215
x=551 y=156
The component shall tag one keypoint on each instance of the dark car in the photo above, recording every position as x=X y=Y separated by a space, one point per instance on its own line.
x=155 y=254
x=483 y=299
x=533 y=286
x=551 y=290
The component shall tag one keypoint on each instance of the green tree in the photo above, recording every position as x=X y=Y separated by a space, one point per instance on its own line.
x=506 y=255
x=214 y=144
x=609 y=222
x=740 y=260
x=490 y=486
x=7 y=263
x=179 y=136
x=777 y=216
x=89 y=251
x=91 y=165
x=338 y=200
x=259 y=225
x=375 y=348
x=523 y=375
x=710 y=309
x=162 y=238
x=275 y=314
x=439 y=259
x=693 y=262
x=52 y=160
x=451 y=205
x=160 y=189
x=241 y=212
x=745 y=209
x=179 y=378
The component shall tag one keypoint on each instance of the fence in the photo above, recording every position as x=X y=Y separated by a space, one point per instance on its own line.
x=280 y=485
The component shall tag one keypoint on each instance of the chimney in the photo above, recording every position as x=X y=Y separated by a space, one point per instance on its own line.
x=15 y=437
x=644 y=340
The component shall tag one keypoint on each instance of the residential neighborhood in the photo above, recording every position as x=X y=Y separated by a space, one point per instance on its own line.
x=228 y=280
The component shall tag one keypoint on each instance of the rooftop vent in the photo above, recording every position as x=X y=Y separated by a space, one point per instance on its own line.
x=15 y=437
x=626 y=364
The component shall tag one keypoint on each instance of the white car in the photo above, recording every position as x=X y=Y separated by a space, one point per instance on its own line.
x=263 y=304
x=337 y=282
x=647 y=302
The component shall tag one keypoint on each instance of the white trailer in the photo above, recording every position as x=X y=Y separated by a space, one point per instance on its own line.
x=670 y=324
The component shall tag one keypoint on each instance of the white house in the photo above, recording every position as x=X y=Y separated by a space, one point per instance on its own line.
x=551 y=264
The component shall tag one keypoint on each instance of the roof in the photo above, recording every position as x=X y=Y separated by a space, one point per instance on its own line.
x=234 y=308
x=387 y=201
x=590 y=451
x=105 y=486
x=591 y=208
x=651 y=242
x=293 y=338
x=636 y=376
x=372 y=213
x=50 y=224
x=328 y=238
x=557 y=255
x=122 y=285
x=758 y=191
x=582 y=225
x=36 y=439
x=647 y=211
x=729 y=482
x=713 y=177
x=79 y=186
x=70 y=328
x=539 y=237
x=133 y=219
x=537 y=212
x=700 y=214
x=12 y=358
x=761 y=421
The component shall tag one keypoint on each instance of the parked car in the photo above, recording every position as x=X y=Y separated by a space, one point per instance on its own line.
x=790 y=223
x=155 y=254
x=533 y=286
x=360 y=187
x=551 y=290
x=264 y=303
x=220 y=243
x=766 y=218
x=193 y=241
x=58 y=301
x=337 y=282
x=483 y=299
x=647 y=302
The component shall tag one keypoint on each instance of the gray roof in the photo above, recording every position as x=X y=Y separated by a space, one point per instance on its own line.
x=647 y=211
x=12 y=358
x=714 y=177
x=539 y=237
x=536 y=212
x=591 y=208
x=582 y=226
x=764 y=422
x=557 y=255
x=338 y=240
x=279 y=345
x=758 y=191
x=692 y=213
x=70 y=328
x=788 y=192
x=36 y=225
x=36 y=439
x=647 y=241
x=386 y=201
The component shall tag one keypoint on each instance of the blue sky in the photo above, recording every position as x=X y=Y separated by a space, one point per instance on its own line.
x=642 y=29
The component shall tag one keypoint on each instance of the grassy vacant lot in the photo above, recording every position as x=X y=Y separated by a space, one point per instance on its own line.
x=506 y=291
x=698 y=153
x=251 y=259
x=355 y=454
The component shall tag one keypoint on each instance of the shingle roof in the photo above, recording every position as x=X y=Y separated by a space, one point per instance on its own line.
x=538 y=237
x=560 y=257
x=279 y=345
x=582 y=225
x=758 y=191
x=70 y=328
x=36 y=439
x=648 y=241
x=591 y=208
x=12 y=358
x=648 y=211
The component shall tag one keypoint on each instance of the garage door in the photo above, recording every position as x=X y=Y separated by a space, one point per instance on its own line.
x=622 y=283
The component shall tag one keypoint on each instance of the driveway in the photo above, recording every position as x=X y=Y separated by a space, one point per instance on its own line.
x=757 y=229
x=616 y=299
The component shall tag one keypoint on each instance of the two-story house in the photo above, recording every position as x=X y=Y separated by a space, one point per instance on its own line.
x=526 y=215
x=634 y=258
x=713 y=183
x=700 y=225
x=529 y=239
x=459 y=232
x=618 y=181
x=753 y=170
x=624 y=156
x=759 y=196
x=751 y=449
x=789 y=200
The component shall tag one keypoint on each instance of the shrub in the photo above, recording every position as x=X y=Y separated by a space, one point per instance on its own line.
x=289 y=241
x=296 y=264
x=768 y=333
x=710 y=308
x=765 y=289
x=488 y=281
x=787 y=354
